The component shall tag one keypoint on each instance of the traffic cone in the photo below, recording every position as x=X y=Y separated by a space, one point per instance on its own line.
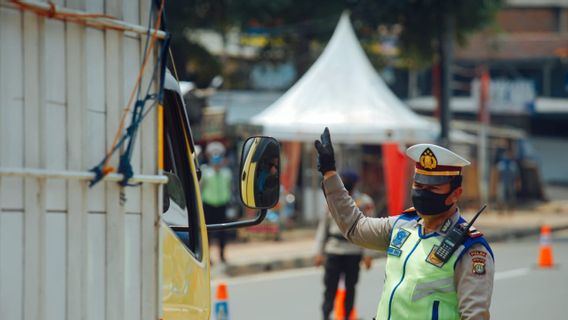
x=545 y=259
x=222 y=302
x=339 y=304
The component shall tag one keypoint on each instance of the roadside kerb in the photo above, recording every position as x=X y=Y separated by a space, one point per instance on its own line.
x=306 y=260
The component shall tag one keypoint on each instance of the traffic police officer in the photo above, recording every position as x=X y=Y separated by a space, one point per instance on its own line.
x=418 y=285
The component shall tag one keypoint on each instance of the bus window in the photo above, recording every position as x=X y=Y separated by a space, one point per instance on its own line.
x=180 y=206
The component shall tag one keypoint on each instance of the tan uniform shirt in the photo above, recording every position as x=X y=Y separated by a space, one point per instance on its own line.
x=330 y=240
x=473 y=287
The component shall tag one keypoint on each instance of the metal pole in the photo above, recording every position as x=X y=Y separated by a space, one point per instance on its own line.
x=77 y=175
x=99 y=21
x=446 y=60
x=484 y=119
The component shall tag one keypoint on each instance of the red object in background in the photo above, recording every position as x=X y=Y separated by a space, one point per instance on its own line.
x=290 y=165
x=394 y=166
x=484 y=96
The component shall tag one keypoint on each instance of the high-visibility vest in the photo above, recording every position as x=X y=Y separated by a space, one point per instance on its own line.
x=416 y=288
x=216 y=185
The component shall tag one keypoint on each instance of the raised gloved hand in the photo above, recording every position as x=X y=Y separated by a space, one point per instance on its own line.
x=326 y=158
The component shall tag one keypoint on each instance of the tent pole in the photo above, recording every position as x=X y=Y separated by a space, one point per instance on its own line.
x=314 y=186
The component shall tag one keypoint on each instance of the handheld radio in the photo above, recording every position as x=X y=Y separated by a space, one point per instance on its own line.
x=454 y=239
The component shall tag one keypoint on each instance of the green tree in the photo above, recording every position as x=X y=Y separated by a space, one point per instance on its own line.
x=430 y=28
x=192 y=61
x=425 y=23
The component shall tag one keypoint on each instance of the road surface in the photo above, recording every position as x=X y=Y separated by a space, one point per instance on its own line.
x=522 y=291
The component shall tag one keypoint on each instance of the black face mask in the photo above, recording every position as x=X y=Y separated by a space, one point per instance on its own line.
x=429 y=203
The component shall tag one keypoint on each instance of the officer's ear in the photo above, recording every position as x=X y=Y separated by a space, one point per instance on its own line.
x=454 y=196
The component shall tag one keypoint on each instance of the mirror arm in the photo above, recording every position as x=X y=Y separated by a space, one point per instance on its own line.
x=238 y=224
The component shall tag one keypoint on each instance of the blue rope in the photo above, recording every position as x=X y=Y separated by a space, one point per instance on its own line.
x=138 y=114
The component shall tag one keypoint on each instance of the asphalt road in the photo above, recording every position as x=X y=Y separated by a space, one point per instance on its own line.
x=522 y=291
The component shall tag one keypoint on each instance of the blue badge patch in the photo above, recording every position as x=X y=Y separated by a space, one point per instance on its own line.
x=394 y=252
x=400 y=238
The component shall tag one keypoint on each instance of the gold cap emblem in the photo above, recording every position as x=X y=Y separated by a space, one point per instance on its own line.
x=428 y=159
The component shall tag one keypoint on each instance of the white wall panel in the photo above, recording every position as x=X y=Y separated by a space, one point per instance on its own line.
x=54 y=137
x=96 y=147
x=95 y=70
x=95 y=151
x=55 y=148
x=114 y=8
x=115 y=217
x=11 y=265
x=43 y=76
x=76 y=149
x=11 y=152
x=95 y=6
x=130 y=11
x=133 y=267
x=96 y=266
x=11 y=106
x=55 y=266
x=54 y=61
x=151 y=292
x=34 y=189
x=114 y=94
x=131 y=65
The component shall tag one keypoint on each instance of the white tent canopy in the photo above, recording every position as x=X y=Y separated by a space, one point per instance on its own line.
x=343 y=92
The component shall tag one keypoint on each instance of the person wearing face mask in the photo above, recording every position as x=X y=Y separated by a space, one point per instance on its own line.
x=418 y=283
x=341 y=258
x=216 y=185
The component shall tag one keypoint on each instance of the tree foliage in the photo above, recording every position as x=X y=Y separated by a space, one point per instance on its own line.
x=299 y=21
x=422 y=25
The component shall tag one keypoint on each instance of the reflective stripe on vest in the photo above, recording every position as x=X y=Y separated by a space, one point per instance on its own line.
x=415 y=288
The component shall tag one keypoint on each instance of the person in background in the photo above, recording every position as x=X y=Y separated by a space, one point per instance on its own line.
x=341 y=257
x=268 y=173
x=508 y=181
x=216 y=186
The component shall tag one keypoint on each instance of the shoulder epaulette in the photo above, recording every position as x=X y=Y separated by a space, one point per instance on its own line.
x=410 y=210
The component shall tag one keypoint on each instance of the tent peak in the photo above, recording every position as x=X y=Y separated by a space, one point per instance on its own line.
x=342 y=89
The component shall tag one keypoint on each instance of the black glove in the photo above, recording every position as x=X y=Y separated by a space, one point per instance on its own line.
x=326 y=159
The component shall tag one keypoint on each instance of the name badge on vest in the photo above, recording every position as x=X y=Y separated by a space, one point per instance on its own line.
x=394 y=251
x=432 y=259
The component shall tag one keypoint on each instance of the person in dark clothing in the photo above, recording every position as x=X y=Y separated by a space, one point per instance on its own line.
x=216 y=188
x=342 y=258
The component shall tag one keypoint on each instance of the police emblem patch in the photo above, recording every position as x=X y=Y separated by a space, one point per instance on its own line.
x=400 y=238
x=478 y=266
x=394 y=252
x=428 y=159
x=432 y=259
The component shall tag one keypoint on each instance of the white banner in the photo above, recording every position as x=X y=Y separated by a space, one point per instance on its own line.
x=508 y=96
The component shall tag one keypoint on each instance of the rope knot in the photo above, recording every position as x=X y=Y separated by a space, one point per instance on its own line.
x=52 y=11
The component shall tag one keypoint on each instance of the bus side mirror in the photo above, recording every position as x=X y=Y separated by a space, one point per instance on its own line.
x=259 y=183
x=259 y=180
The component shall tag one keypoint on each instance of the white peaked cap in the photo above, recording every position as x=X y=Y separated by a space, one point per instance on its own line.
x=435 y=164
